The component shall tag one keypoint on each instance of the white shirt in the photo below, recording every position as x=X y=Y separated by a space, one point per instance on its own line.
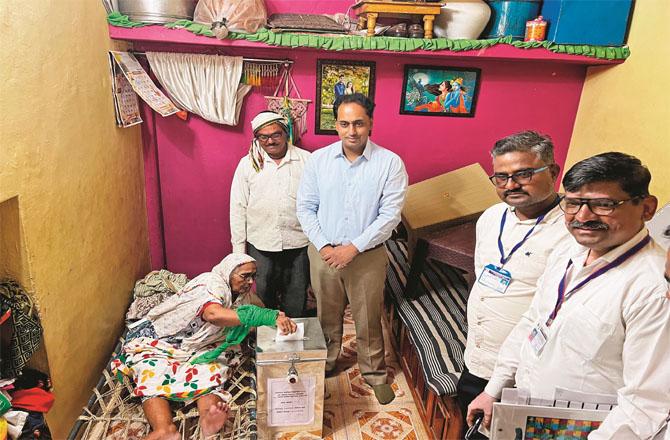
x=262 y=204
x=611 y=336
x=492 y=315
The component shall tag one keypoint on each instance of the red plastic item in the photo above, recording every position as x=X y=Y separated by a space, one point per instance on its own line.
x=33 y=399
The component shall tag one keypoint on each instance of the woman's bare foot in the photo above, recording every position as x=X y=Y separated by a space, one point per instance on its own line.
x=213 y=418
x=171 y=434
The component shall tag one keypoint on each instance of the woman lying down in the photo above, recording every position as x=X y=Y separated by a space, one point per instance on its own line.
x=188 y=346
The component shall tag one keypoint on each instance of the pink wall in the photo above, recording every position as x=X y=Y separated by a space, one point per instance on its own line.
x=196 y=159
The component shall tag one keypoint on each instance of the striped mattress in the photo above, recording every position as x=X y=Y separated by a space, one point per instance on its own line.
x=436 y=319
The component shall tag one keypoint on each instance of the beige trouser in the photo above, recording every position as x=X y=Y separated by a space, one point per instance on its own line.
x=362 y=283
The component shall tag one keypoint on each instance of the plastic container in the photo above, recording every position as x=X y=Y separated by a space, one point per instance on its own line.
x=509 y=17
x=596 y=22
x=536 y=30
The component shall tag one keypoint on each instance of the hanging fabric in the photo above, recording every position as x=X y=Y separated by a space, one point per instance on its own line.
x=261 y=74
x=26 y=328
x=207 y=85
x=293 y=109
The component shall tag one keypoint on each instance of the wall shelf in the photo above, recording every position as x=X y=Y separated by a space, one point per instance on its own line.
x=183 y=40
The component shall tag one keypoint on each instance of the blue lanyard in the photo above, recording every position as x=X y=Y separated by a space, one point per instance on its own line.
x=563 y=296
x=503 y=259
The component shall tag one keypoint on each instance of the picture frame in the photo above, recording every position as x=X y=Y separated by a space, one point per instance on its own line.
x=335 y=77
x=440 y=91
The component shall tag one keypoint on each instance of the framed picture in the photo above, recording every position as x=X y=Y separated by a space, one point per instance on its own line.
x=439 y=91
x=335 y=78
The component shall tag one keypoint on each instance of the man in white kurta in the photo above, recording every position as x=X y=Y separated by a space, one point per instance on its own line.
x=600 y=321
x=524 y=175
x=263 y=220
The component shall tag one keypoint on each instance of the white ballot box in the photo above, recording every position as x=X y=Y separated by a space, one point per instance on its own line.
x=291 y=379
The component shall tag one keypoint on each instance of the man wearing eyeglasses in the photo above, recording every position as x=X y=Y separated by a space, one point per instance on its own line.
x=600 y=320
x=349 y=201
x=514 y=239
x=263 y=221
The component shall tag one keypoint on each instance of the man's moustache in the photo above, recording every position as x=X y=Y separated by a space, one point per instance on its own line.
x=592 y=225
x=514 y=191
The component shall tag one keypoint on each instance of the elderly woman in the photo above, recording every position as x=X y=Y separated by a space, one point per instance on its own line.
x=184 y=350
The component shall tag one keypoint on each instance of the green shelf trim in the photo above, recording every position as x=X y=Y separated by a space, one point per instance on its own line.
x=393 y=44
x=119 y=20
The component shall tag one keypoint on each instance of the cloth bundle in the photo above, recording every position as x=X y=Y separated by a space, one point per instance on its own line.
x=27 y=425
x=237 y=15
x=152 y=290
x=28 y=398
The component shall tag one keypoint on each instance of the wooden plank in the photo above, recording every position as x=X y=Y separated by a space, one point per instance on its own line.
x=181 y=40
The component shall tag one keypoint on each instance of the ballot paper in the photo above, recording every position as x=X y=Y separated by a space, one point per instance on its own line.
x=298 y=335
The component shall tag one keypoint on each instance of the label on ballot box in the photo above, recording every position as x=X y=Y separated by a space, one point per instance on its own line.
x=291 y=403
x=495 y=278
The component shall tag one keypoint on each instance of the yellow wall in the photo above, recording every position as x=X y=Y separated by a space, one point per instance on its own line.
x=71 y=185
x=627 y=107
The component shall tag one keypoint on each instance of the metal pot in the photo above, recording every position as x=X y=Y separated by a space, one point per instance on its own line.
x=157 y=11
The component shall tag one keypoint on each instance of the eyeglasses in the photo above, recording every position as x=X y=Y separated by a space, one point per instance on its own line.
x=521 y=177
x=265 y=137
x=247 y=276
x=597 y=206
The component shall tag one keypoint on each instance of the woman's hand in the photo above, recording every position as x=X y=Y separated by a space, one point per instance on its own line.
x=285 y=324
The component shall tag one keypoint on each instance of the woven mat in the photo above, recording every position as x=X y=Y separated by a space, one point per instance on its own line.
x=113 y=413
x=303 y=23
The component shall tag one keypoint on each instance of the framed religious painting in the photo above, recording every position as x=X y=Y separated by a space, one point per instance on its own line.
x=439 y=91
x=335 y=78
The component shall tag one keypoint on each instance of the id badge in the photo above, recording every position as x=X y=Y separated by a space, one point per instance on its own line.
x=495 y=278
x=537 y=338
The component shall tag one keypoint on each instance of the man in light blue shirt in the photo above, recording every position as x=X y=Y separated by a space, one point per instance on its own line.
x=349 y=201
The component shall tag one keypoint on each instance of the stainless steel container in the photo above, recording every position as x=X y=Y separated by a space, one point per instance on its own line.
x=157 y=11
x=291 y=379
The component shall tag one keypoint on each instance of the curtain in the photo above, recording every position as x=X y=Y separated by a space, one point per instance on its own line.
x=207 y=85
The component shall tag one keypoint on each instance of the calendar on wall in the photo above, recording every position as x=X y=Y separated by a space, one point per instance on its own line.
x=126 y=105
x=129 y=80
